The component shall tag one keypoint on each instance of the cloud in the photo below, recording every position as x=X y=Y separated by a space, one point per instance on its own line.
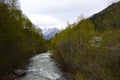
x=58 y=12
x=55 y=6
x=43 y=20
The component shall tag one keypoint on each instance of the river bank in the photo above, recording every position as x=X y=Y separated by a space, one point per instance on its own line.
x=14 y=75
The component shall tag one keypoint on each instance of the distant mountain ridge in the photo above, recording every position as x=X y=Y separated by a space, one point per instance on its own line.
x=50 y=33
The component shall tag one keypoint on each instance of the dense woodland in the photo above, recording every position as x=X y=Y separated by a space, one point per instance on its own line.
x=90 y=48
x=19 y=38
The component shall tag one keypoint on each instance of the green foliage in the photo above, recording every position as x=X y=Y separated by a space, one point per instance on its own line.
x=108 y=18
x=19 y=39
x=90 y=49
x=70 y=44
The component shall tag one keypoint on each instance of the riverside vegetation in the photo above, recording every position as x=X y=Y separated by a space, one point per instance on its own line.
x=86 y=50
x=19 y=38
x=90 y=48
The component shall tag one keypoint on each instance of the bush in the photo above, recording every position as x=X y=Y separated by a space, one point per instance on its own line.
x=80 y=60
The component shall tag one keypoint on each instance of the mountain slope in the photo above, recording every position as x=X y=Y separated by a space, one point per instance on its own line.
x=82 y=57
x=108 y=18
x=50 y=33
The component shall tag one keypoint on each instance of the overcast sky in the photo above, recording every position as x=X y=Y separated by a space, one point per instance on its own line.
x=57 y=13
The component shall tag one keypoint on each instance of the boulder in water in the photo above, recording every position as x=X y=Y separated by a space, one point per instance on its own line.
x=19 y=72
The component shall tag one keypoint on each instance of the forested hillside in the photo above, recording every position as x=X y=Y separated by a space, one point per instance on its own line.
x=19 y=38
x=108 y=18
x=90 y=49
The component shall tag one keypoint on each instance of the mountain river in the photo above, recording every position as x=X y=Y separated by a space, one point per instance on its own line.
x=42 y=67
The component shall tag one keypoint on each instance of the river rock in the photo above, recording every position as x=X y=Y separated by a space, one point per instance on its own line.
x=19 y=72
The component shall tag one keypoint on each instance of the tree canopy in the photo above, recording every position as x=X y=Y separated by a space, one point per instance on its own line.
x=19 y=38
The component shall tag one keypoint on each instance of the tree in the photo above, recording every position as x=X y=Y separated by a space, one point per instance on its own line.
x=19 y=39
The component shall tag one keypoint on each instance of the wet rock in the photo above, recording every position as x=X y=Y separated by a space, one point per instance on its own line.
x=15 y=74
x=20 y=72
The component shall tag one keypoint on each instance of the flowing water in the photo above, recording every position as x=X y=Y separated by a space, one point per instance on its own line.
x=42 y=67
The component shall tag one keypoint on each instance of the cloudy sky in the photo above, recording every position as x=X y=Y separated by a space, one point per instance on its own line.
x=58 y=13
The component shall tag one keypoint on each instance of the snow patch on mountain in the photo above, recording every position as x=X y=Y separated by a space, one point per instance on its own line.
x=50 y=33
